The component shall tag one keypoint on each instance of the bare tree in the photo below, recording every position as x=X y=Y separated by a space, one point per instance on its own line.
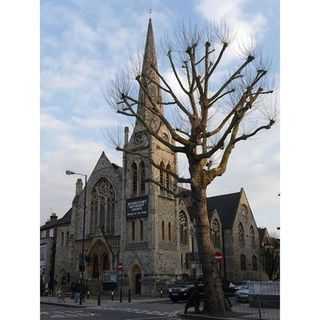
x=215 y=116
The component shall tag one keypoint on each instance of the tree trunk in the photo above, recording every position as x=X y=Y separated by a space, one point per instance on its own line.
x=214 y=296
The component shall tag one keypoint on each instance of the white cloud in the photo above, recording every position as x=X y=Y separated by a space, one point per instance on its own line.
x=246 y=27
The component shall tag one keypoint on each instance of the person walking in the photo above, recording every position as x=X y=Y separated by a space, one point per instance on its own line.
x=194 y=299
x=77 y=290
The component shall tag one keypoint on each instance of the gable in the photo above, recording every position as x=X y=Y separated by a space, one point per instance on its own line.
x=226 y=205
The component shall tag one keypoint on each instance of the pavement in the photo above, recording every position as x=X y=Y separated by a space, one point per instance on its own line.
x=142 y=308
x=68 y=302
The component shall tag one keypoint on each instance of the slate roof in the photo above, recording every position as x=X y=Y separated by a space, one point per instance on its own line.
x=226 y=205
x=66 y=219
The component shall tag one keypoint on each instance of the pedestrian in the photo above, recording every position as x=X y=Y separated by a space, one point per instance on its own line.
x=77 y=292
x=193 y=300
x=60 y=295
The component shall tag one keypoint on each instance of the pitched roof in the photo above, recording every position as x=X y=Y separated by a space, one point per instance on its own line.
x=226 y=205
x=66 y=219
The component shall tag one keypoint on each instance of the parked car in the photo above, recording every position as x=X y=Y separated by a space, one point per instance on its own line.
x=242 y=294
x=181 y=290
x=229 y=289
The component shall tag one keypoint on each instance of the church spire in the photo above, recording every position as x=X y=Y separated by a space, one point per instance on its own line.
x=148 y=72
x=150 y=56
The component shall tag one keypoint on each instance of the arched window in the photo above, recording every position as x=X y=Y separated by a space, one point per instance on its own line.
x=162 y=231
x=243 y=263
x=169 y=231
x=141 y=230
x=102 y=206
x=95 y=267
x=142 y=177
x=183 y=228
x=102 y=213
x=134 y=170
x=162 y=177
x=215 y=233
x=168 y=178
x=94 y=211
x=133 y=230
x=106 y=262
x=252 y=237
x=241 y=235
x=254 y=263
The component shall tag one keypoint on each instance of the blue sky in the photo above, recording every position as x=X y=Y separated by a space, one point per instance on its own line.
x=83 y=45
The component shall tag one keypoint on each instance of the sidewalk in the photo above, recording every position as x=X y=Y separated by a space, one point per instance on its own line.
x=92 y=302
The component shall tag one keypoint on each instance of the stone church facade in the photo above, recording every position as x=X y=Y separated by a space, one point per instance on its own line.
x=140 y=225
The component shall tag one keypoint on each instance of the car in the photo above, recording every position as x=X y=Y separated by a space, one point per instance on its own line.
x=181 y=290
x=229 y=289
x=242 y=294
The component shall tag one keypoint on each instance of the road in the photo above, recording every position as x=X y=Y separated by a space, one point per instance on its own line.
x=124 y=311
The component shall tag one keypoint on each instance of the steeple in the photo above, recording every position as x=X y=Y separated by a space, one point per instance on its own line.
x=148 y=72
x=150 y=56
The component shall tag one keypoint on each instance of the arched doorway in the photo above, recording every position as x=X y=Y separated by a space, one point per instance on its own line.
x=136 y=277
x=99 y=258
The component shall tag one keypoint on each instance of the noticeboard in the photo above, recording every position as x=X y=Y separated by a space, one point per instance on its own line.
x=137 y=207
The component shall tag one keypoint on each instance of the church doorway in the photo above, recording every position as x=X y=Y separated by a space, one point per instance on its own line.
x=136 y=277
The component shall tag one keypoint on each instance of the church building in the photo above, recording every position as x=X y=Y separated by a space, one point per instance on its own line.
x=138 y=231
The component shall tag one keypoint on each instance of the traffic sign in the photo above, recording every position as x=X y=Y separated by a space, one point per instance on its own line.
x=218 y=255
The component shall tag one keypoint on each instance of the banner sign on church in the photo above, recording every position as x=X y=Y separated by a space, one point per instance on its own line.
x=137 y=207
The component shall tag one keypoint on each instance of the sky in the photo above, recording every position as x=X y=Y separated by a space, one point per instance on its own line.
x=84 y=44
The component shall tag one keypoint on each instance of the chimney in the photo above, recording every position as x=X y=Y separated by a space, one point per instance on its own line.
x=53 y=217
x=78 y=186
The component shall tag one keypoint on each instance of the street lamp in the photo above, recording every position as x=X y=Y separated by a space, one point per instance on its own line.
x=81 y=264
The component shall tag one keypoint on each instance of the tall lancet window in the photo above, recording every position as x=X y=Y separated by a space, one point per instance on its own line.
x=241 y=235
x=142 y=177
x=183 y=226
x=252 y=237
x=134 y=170
x=168 y=178
x=215 y=233
x=94 y=211
x=162 y=177
x=102 y=213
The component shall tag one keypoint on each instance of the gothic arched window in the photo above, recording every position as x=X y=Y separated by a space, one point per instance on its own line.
x=241 y=235
x=102 y=207
x=142 y=177
x=252 y=237
x=102 y=213
x=215 y=233
x=134 y=178
x=183 y=228
x=133 y=230
x=254 y=263
x=162 y=176
x=243 y=262
x=141 y=230
x=94 y=211
x=162 y=231
x=168 y=178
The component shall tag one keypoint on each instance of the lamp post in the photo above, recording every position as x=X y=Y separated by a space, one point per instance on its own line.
x=82 y=264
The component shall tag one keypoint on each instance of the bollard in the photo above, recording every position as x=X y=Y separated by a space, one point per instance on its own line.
x=99 y=299
x=120 y=295
x=129 y=295
x=112 y=295
x=161 y=293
